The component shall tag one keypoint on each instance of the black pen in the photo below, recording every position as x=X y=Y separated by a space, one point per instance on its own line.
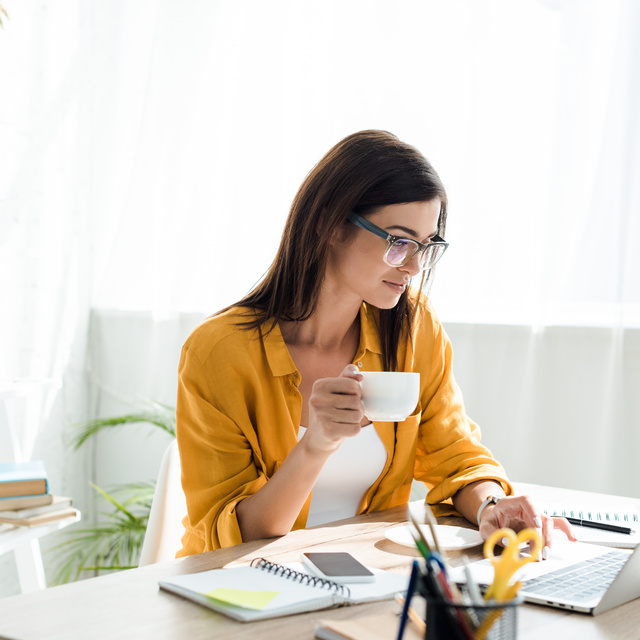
x=601 y=525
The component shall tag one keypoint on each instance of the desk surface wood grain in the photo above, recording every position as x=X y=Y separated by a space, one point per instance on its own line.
x=129 y=604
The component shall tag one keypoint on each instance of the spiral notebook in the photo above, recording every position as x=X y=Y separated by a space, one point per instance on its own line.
x=619 y=515
x=267 y=590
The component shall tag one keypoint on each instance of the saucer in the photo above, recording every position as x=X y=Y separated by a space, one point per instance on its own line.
x=449 y=537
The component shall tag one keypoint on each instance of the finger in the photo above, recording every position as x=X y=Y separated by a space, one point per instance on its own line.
x=342 y=416
x=330 y=404
x=338 y=408
x=547 y=536
x=564 y=526
x=351 y=371
x=341 y=385
x=330 y=425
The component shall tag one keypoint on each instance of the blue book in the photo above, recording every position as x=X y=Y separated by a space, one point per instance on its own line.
x=23 y=479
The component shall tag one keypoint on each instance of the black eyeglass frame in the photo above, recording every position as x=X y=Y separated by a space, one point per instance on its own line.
x=365 y=224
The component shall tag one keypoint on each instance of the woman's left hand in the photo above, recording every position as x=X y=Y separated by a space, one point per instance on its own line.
x=519 y=512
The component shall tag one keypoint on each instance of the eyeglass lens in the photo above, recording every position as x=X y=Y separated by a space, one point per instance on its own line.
x=402 y=250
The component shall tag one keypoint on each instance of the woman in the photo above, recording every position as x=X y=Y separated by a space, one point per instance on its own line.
x=271 y=428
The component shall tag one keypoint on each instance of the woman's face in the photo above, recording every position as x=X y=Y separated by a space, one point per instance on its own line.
x=356 y=266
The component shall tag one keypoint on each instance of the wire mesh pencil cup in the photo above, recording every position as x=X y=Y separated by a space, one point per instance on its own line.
x=487 y=621
x=451 y=614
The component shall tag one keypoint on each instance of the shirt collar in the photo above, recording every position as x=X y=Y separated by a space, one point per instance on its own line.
x=278 y=356
x=280 y=361
x=369 y=330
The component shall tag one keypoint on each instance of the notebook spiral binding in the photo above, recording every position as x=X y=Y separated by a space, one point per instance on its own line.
x=593 y=515
x=297 y=576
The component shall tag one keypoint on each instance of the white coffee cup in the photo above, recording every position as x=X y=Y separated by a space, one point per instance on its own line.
x=389 y=396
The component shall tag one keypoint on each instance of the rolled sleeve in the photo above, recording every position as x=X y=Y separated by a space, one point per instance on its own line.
x=449 y=454
x=217 y=460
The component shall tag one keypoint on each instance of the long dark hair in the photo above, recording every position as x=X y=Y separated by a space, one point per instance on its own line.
x=362 y=173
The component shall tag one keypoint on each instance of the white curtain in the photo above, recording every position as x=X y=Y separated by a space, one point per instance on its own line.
x=45 y=239
x=149 y=152
x=208 y=115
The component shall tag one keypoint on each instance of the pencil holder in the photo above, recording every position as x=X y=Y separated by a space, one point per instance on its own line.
x=487 y=621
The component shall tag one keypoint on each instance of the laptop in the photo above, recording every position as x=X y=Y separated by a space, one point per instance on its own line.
x=577 y=576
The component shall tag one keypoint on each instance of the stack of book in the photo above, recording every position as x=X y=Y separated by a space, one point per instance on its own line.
x=24 y=496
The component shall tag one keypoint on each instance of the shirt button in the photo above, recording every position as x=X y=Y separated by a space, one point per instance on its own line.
x=360 y=364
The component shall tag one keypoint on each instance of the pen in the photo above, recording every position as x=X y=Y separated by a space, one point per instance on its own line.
x=410 y=590
x=601 y=525
x=423 y=545
x=424 y=551
x=472 y=585
x=431 y=521
x=423 y=540
x=430 y=581
x=413 y=615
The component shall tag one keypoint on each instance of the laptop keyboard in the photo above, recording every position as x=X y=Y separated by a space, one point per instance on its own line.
x=581 y=582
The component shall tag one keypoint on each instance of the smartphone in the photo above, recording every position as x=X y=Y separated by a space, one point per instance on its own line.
x=337 y=566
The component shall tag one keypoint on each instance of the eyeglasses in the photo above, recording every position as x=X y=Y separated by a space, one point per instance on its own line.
x=400 y=250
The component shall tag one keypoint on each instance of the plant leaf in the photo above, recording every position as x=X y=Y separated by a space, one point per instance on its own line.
x=114 y=502
x=111 y=544
x=82 y=432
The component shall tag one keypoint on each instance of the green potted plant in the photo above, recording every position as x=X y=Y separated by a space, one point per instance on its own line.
x=114 y=541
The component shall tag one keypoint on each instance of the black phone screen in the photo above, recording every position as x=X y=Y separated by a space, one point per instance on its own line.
x=336 y=564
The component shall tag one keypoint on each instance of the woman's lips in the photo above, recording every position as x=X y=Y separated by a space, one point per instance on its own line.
x=397 y=287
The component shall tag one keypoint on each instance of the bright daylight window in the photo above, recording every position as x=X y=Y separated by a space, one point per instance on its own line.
x=151 y=155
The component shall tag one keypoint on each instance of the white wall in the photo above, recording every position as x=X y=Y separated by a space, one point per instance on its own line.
x=558 y=406
x=544 y=399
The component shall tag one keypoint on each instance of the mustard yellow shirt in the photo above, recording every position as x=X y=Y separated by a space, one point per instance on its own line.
x=238 y=413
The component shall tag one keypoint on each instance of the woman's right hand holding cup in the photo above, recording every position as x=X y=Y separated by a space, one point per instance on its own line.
x=335 y=411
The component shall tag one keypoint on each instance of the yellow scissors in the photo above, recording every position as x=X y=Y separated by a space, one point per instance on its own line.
x=510 y=561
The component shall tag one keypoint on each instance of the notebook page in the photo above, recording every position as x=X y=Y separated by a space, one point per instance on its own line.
x=283 y=594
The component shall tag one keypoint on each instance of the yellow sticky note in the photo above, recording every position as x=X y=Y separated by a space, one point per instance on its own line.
x=242 y=598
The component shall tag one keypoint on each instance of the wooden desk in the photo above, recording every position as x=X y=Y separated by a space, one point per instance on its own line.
x=130 y=605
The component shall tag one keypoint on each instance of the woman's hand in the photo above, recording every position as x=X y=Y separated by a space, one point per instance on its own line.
x=335 y=411
x=519 y=512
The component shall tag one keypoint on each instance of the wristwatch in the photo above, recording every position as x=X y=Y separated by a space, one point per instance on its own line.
x=487 y=501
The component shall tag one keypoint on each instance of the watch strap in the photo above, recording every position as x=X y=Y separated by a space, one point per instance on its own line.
x=487 y=501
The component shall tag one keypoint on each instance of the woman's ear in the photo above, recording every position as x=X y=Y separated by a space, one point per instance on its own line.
x=340 y=234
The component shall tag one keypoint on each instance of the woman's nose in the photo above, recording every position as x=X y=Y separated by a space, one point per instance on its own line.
x=414 y=266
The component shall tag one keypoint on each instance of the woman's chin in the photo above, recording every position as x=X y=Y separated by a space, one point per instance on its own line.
x=385 y=302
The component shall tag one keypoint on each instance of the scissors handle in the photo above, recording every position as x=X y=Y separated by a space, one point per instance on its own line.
x=491 y=542
x=506 y=565
x=526 y=535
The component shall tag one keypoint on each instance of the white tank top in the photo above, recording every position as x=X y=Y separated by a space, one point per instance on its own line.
x=346 y=476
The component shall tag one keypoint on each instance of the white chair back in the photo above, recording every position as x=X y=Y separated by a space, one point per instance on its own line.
x=165 y=530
